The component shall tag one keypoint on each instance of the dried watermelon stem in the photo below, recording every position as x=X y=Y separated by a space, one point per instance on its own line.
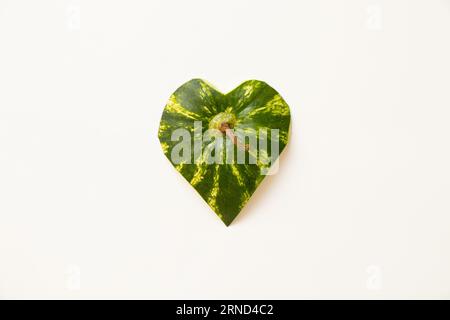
x=225 y=128
x=224 y=122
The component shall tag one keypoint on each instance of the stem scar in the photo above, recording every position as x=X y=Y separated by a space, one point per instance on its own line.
x=225 y=128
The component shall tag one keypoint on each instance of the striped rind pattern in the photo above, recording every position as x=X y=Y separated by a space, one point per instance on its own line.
x=226 y=187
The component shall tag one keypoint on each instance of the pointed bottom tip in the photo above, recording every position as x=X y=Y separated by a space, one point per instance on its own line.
x=227 y=223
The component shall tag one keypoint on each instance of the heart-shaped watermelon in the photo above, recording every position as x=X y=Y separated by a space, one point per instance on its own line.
x=224 y=144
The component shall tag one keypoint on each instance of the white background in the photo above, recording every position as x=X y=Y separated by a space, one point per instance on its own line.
x=91 y=208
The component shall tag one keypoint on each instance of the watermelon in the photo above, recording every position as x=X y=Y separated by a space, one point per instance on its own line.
x=224 y=144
